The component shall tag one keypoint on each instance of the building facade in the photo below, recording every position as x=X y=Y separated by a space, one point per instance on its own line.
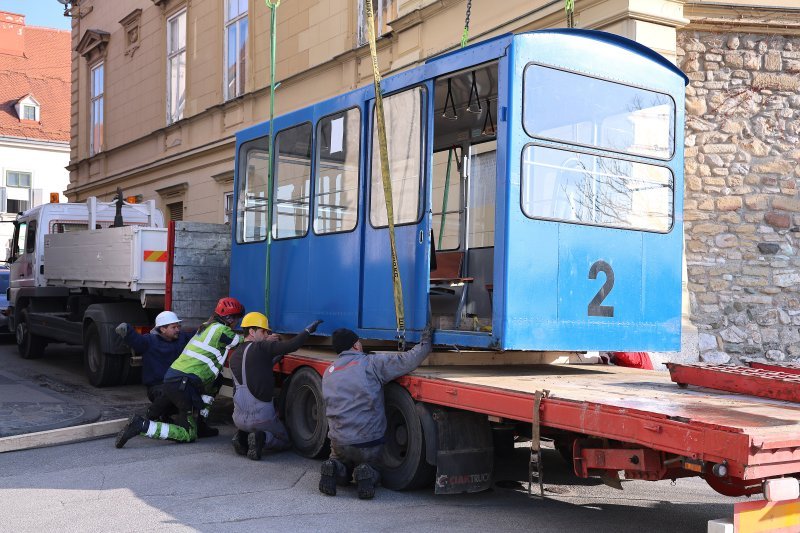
x=34 y=117
x=742 y=208
x=159 y=88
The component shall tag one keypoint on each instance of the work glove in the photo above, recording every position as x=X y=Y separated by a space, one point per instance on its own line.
x=311 y=328
x=427 y=334
x=122 y=330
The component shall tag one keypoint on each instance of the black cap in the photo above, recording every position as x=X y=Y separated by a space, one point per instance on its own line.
x=343 y=339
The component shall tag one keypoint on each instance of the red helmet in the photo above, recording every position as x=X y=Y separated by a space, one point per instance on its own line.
x=229 y=307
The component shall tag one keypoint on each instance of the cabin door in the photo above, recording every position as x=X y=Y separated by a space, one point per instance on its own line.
x=405 y=120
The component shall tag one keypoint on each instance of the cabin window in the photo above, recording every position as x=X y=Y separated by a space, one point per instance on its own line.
x=292 y=182
x=20 y=235
x=576 y=109
x=336 y=177
x=601 y=191
x=482 y=184
x=251 y=208
x=446 y=198
x=403 y=113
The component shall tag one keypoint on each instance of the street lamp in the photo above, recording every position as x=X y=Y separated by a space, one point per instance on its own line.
x=67 y=7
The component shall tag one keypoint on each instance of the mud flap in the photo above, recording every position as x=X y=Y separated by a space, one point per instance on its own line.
x=465 y=453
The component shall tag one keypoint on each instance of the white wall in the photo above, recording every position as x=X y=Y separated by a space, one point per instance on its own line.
x=45 y=161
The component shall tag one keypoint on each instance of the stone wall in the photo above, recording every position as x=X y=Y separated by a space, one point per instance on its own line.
x=742 y=207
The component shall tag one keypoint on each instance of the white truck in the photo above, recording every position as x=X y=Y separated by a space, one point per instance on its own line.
x=75 y=274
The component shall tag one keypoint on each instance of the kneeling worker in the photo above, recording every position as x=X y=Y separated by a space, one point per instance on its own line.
x=352 y=388
x=191 y=382
x=158 y=349
x=251 y=364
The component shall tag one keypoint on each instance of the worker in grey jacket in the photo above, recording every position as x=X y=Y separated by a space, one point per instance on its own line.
x=352 y=388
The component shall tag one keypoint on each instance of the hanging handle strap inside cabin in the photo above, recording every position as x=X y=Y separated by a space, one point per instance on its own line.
x=387 y=183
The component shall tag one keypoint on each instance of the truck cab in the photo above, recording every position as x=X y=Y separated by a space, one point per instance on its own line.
x=92 y=283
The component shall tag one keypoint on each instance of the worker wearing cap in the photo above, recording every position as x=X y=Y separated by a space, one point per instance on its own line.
x=191 y=382
x=251 y=363
x=158 y=349
x=352 y=389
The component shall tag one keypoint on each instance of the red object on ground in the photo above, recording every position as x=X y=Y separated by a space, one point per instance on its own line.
x=739 y=379
x=633 y=360
x=789 y=368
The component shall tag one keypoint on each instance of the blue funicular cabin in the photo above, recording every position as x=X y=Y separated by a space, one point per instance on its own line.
x=537 y=191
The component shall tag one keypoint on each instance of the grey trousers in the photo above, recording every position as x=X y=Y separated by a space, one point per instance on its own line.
x=348 y=457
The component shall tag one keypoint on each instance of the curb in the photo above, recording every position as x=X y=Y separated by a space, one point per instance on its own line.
x=55 y=437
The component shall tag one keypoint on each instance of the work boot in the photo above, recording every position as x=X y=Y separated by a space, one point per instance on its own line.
x=365 y=481
x=255 y=445
x=240 y=442
x=135 y=425
x=204 y=430
x=327 y=478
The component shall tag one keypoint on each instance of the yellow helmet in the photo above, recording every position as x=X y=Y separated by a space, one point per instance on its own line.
x=255 y=320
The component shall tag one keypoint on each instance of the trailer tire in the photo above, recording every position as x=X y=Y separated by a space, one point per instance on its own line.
x=102 y=369
x=30 y=346
x=305 y=414
x=404 y=464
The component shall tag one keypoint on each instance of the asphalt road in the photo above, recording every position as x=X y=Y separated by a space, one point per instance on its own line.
x=204 y=486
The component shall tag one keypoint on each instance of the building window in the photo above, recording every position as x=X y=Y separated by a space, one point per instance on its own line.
x=18 y=179
x=16 y=206
x=235 y=47
x=228 y=207
x=96 y=134
x=175 y=211
x=176 y=67
x=385 y=10
x=28 y=112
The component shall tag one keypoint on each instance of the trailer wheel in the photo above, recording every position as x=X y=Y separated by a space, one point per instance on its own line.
x=30 y=346
x=305 y=414
x=404 y=464
x=102 y=369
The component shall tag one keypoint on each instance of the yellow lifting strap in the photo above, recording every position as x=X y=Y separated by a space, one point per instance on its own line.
x=387 y=182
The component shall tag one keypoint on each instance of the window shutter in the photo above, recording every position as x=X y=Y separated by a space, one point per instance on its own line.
x=175 y=211
x=3 y=206
x=37 y=197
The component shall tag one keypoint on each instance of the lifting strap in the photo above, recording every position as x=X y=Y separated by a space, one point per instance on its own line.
x=465 y=33
x=273 y=7
x=535 y=466
x=387 y=182
x=569 y=8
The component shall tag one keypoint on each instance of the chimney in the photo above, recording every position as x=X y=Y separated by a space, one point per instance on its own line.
x=12 y=34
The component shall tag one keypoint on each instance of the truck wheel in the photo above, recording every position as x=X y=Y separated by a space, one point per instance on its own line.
x=131 y=375
x=30 y=346
x=404 y=464
x=101 y=368
x=305 y=414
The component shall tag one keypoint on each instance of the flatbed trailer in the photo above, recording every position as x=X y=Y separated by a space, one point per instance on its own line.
x=604 y=418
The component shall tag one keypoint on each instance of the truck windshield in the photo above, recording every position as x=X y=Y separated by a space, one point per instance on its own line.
x=577 y=109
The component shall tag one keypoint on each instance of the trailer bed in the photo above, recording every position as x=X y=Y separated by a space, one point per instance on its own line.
x=755 y=437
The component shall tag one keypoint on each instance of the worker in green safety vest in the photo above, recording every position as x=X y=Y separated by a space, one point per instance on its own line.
x=191 y=383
